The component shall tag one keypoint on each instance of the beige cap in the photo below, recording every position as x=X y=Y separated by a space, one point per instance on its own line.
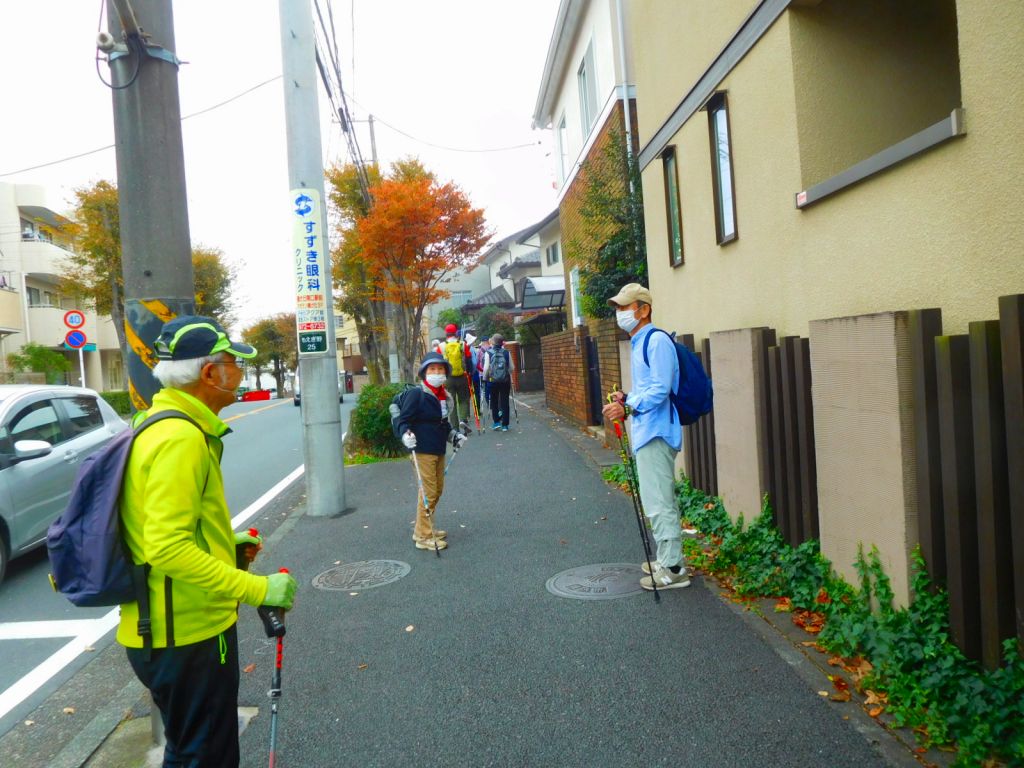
x=628 y=294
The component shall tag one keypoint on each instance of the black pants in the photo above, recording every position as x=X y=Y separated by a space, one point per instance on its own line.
x=196 y=689
x=499 y=401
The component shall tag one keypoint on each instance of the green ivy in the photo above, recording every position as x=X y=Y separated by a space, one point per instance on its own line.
x=931 y=687
x=119 y=400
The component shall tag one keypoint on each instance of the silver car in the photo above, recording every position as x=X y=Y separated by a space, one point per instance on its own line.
x=45 y=432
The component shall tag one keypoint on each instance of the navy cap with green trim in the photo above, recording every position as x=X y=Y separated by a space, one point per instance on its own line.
x=192 y=336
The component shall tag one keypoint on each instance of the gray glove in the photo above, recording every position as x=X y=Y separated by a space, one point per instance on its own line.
x=409 y=440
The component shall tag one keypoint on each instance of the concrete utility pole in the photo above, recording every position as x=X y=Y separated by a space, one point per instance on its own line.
x=318 y=362
x=155 y=244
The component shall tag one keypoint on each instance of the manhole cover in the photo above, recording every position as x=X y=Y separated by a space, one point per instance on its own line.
x=597 y=582
x=362 y=575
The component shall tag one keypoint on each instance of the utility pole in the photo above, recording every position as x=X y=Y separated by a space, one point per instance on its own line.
x=318 y=362
x=155 y=244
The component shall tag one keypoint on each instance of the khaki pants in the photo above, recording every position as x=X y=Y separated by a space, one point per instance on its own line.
x=655 y=469
x=432 y=474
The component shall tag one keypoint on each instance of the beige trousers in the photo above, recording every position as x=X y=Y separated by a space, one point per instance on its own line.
x=432 y=474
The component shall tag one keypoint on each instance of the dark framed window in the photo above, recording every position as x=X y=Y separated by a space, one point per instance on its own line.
x=721 y=168
x=551 y=255
x=673 y=208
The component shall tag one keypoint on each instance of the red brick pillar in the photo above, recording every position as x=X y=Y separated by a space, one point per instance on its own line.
x=517 y=362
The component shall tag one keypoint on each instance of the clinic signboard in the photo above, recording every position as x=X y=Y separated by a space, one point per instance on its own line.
x=309 y=246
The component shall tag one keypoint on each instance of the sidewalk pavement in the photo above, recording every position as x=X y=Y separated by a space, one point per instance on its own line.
x=468 y=660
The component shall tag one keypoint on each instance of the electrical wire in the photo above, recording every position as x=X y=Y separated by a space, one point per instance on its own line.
x=111 y=146
x=133 y=43
x=453 y=149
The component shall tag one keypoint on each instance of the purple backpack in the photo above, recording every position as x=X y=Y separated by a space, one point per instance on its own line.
x=90 y=562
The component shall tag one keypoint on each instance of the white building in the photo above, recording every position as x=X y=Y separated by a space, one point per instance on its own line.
x=33 y=249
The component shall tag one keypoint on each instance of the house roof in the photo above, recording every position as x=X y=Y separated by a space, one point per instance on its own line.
x=501 y=246
x=542 y=292
x=45 y=215
x=527 y=260
x=529 y=232
x=496 y=296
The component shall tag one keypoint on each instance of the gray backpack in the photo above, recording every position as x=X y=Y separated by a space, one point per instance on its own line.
x=499 y=365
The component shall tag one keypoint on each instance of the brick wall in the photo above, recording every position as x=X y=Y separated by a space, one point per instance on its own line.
x=565 y=374
x=608 y=335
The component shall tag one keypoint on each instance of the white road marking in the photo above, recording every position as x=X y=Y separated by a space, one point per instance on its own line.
x=91 y=631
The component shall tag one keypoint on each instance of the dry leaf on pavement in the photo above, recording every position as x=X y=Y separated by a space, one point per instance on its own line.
x=249 y=668
x=410 y=628
x=68 y=710
x=362 y=666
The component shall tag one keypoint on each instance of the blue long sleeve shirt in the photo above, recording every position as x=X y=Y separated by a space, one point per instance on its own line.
x=653 y=414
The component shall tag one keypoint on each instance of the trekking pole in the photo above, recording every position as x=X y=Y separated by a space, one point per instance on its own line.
x=464 y=428
x=472 y=402
x=512 y=386
x=273 y=625
x=634 y=493
x=426 y=504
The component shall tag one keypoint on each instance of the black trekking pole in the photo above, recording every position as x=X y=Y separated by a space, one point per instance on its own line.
x=273 y=625
x=634 y=493
x=464 y=429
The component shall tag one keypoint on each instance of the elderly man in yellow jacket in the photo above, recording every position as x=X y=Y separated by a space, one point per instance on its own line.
x=175 y=518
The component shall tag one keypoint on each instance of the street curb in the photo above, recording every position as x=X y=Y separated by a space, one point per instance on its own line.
x=85 y=743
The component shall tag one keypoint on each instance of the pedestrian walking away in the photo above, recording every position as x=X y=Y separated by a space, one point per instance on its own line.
x=498 y=369
x=175 y=520
x=657 y=435
x=425 y=430
x=484 y=351
x=460 y=360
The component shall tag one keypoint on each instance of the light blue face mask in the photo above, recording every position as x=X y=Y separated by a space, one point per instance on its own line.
x=626 y=320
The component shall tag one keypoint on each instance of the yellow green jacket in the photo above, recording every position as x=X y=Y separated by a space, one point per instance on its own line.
x=175 y=518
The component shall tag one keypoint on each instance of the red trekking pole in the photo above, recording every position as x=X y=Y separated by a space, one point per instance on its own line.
x=634 y=492
x=273 y=625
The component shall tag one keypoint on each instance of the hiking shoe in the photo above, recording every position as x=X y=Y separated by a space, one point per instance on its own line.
x=665 y=579
x=496 y=427
x=649 y=567
x=437 y=535
x=504 y=429
x=440 y=544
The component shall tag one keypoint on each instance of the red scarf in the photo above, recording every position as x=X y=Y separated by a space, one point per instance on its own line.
x=439 y=393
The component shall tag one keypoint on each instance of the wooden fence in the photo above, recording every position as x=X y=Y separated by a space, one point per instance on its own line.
x=699 y=437
x=969 y=439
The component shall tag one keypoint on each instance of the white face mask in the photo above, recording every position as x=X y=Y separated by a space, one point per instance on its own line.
x=436 y=379
x=626 y=320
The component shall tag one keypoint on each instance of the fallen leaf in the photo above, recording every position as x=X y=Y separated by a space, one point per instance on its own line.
x=30 y=722
x=89 y=648
x=461 y=525
x=337 y=562
x=362 y=666
x=873 y=698
x=562 y=541
x=785 y=605
x=604 y=517
x=875 y=711
x=366 y=526
x=68 y=710
x=352 y=594
x=835 y=661
x=709 y=506
x=249 y=668
x=823 y=693
x=840 y=696
x=410 y=628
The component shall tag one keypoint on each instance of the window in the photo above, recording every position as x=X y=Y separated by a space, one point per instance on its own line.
x=461 y=297
x=562 y=138
x=83 y=413
x=574 y=286
x=721 y=169
x=586 y=79
x=551 y=255
x=37 y=422
x=33 y=296
x=673 y=209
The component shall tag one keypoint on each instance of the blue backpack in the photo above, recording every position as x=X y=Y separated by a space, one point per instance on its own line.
x=692 y=395
x=90 y=562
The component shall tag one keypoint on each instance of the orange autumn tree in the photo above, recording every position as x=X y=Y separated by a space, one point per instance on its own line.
x=415 y=235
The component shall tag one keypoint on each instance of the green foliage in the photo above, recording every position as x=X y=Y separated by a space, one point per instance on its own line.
x=931 y=688
x=451 y=315
x=612 y=250
x=491 y=320
x=370 y=424
x=616 y=475
x=40 y=359
x=119 y=401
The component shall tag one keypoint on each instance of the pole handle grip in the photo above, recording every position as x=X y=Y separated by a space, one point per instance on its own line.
x=273 y=617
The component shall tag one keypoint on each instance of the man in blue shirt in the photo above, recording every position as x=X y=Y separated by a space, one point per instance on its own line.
x=657 y=435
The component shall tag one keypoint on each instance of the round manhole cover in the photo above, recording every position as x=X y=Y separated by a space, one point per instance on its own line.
x=597 y=582
x=362 y=575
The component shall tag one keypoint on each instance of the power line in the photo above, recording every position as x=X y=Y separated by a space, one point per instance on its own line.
x=111 y=146
x=452 y=149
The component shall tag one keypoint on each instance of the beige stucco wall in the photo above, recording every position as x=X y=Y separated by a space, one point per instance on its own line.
x=867 y=75
x=738 y=437
x=863 y=437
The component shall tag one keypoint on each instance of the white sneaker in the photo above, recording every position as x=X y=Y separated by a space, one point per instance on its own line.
x=650 y=567
x=665 y=579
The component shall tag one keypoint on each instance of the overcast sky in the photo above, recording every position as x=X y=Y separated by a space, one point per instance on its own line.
x=457 y=73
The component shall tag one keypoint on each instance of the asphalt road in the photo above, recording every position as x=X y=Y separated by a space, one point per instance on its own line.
x=265 y=446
